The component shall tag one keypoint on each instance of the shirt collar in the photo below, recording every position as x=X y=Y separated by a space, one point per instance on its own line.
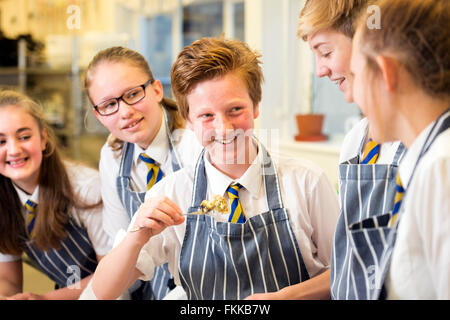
x=251 y=180
x=23 y=196
x=158 y=150
x=409 y=161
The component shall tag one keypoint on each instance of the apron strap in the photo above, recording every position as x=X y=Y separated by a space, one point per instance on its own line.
x=125 y=163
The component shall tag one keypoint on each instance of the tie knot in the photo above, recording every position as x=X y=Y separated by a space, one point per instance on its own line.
x=30 y=206
x=144 y=157
x=233 y=190
x=399 y=187
x=371 y=152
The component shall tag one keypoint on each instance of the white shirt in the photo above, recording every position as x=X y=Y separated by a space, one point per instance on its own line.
x=307 y=194
x=352 y=143
x=85 y=182
x=115 y=216
x=420 y=265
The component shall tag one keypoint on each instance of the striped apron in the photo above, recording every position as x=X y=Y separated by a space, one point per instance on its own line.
x=221 y=260
x=162 y=282
x=442 y=124
x=73 y=261
x=367 y=195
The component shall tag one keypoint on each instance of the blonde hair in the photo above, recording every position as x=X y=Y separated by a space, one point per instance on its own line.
x=209 y=58
x=56 y=195
x=416 y=33
x=125 y=55
x=338 y=15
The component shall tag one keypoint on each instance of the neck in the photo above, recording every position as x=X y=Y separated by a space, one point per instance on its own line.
x=417 y=112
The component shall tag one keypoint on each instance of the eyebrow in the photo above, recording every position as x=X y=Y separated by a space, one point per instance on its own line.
x=20 y=130
x=317 y=45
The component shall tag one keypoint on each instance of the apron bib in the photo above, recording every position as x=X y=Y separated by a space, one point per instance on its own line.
x=367 y=196
x=221 y=260
x=441 y=125
x=75 y=260
x=162 y=282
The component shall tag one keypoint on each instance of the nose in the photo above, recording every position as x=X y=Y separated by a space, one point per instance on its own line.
x=13 y=147
x=322 y=70
x=223 y=126
x=125 y=110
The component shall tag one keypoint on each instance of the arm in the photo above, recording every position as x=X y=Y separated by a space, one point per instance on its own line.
x=11 y=278
x=117 y=270
x=313 y=289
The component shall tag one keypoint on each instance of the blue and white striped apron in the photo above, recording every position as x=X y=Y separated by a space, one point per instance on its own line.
x=367 y=194
x=222 y=260
x=73 y=261
x=162 y=281
x=442 y=124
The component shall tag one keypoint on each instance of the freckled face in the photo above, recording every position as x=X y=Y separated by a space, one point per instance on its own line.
x=332 y=51
x=138 y=123
x=21 y=146
x=222 y=115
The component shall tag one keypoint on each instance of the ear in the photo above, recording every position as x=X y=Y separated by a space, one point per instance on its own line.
x=44 y=136
x=389 y=69
x=158 y=88
x=256 y=111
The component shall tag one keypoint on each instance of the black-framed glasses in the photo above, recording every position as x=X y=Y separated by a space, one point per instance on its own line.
x=130 y=97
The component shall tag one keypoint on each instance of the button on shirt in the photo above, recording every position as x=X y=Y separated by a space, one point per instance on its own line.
x=420 y=265
x=308 y=196
x=115 y=215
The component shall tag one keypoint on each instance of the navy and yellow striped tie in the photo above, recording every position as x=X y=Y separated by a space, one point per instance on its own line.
x=237 y=212
x=154 y=173
x=30 y=209
x=371 y=152
x=399 y=193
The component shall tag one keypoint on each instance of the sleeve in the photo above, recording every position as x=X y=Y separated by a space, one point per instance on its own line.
x=431 y=211
x=114 y=214
x=324 y=212
x=86 y=182
x=9 y=258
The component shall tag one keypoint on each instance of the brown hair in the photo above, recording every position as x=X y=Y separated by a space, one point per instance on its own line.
x=417 y=33
x=209 y=58
x=125 y=55
x=338 y=15
x=56 y=195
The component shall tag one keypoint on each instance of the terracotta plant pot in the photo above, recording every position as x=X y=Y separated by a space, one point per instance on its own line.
x=310 y=127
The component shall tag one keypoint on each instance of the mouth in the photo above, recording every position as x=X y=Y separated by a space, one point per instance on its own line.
x=225 y=141
x=132 y=124
x=339 y=81
x=17 y=163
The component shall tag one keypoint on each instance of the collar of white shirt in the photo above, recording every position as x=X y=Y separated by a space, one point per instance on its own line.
x=410 y=159
x=23 y=196
x=251 y=180
x=158 y=150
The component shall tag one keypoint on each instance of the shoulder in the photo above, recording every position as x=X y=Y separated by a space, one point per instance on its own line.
x=85 y=180
x=352 y=140
x=437 y=160
x=187 y=146
x=298 y=170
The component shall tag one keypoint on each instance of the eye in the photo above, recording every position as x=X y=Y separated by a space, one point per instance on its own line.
x=2 y=142
x=326 y=55
x=206 y=116
x=25 y=137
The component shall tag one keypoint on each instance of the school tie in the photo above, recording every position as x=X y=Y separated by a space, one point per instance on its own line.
x=371 y=152
x=154 y=173
x=399 y=192
x=30 y=209
x=237 y=213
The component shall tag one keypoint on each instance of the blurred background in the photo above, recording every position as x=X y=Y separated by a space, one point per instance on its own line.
x=47 y=44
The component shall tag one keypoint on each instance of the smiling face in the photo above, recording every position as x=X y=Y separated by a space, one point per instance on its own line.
x=138 y=123
x=332 y=51
x=222 y=115
x=21 y=146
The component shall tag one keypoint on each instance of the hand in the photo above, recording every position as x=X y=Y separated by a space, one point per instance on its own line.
x=154 y=215
x=26 y=296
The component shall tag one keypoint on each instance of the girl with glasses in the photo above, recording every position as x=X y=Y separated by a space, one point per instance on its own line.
x=50 y=209
x=147 y=141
